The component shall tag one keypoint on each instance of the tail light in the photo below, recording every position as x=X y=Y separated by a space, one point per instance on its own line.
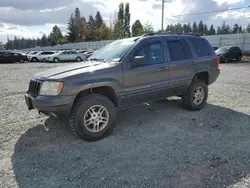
x=217 y=62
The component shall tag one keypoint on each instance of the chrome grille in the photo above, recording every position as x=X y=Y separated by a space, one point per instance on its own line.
x=34 y=87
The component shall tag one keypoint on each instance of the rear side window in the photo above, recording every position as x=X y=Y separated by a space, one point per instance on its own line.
x=201 y=47
x=176 y=51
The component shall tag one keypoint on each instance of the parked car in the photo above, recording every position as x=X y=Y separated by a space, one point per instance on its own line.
x=215 y=48
x=122 y=74
x=82 y=51
x=87 y=55
x=11 y=57
x=40 y=55
x=229 y=53
x=64 y=56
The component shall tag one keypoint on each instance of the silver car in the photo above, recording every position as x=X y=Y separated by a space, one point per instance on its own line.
x=64 y=56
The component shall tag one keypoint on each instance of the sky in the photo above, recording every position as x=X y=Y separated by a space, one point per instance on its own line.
x=33 y=18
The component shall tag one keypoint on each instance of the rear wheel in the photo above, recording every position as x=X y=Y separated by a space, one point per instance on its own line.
x=34 y=59
x=78 y=59
x=196 y=96
x=92 y=117
x=56 y=60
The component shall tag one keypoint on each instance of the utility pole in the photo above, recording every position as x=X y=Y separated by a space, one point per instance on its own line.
x=162 y=15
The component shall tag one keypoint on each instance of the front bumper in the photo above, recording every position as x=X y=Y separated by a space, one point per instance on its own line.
x=48 y=105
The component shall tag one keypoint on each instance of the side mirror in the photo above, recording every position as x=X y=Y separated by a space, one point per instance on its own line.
x=138 y=61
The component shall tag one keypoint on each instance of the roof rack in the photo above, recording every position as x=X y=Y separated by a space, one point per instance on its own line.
x=170 y=33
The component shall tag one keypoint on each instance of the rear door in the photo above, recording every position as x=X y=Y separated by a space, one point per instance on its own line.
x=150 y=80
x=179 y=66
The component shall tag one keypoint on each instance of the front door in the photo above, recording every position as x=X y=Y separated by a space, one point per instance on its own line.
x=148 y=80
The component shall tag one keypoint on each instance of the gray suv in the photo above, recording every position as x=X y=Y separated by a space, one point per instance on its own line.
x=122 y=74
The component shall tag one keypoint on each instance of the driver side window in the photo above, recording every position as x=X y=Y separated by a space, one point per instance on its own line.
x=152 y=53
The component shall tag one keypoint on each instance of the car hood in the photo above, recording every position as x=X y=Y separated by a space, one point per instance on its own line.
x=72 y=69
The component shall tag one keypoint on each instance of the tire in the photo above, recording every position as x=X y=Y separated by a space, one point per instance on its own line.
x=78 y=59
x=34 y=59
x=56 y=60
x=21 y=61
x=238 y=58
x=188 y=99
x=226 y=60
x=80 y=112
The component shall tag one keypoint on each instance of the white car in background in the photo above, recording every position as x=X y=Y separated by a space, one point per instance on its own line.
x=64 y=56
x=39 y=56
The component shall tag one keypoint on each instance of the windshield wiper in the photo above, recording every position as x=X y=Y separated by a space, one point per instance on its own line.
x=97 y=59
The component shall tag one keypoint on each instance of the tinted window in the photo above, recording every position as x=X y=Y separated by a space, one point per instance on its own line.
x=201 y=47
x=47 y=53
x=152 y=53
x=176 y=51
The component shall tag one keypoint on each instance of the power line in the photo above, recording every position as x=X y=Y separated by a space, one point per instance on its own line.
x=222 y=10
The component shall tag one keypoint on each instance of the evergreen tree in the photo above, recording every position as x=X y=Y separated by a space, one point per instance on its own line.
x=219 y=31
x=91 y=29
x=201 y=28
x=236 y=28
x=71 y=27
x=189 y=29
x=137 y=28
x=240 y=29
x=98 y=23
x=55 y=35
x=77 y=24
x=127 y=21
x=248 y=28
x=211 y=30
x=205 y=30
x=195 y=28
x=121 y=18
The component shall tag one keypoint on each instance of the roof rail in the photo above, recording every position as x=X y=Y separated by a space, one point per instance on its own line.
x=170 y=33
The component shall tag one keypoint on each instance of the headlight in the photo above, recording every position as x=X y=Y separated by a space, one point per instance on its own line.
x=51 y=88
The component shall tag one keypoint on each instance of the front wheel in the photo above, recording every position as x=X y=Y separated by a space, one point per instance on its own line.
x=238 y=58
x=92 y=117
x=196 y=96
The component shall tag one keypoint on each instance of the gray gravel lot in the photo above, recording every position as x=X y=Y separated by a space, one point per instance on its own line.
x=156 y=145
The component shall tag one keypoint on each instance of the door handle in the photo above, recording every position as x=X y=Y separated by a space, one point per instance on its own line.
x=162 y=69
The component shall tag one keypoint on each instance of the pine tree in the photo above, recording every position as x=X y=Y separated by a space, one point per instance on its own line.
x=219 y=31
x=223 y=28
x=98 y=23
x=55 y=35
x=195 y=28
x=137 y=28
x=211 y=30
x=127 y=21
x=248 y=28
x=201 y=28
x=121 y=18
x=91 y=29
x=205 y=29
x=236 y=28
x=44 y=40
x=71 y=27
x=77 y=20
x=240 y=29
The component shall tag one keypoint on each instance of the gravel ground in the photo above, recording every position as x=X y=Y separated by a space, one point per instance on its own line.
x=155 y=145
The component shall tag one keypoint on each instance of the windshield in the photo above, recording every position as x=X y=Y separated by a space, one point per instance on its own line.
x=113 y=51
x=222 y=50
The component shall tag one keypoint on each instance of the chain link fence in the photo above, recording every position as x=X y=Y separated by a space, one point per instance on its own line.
x=240 y=40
